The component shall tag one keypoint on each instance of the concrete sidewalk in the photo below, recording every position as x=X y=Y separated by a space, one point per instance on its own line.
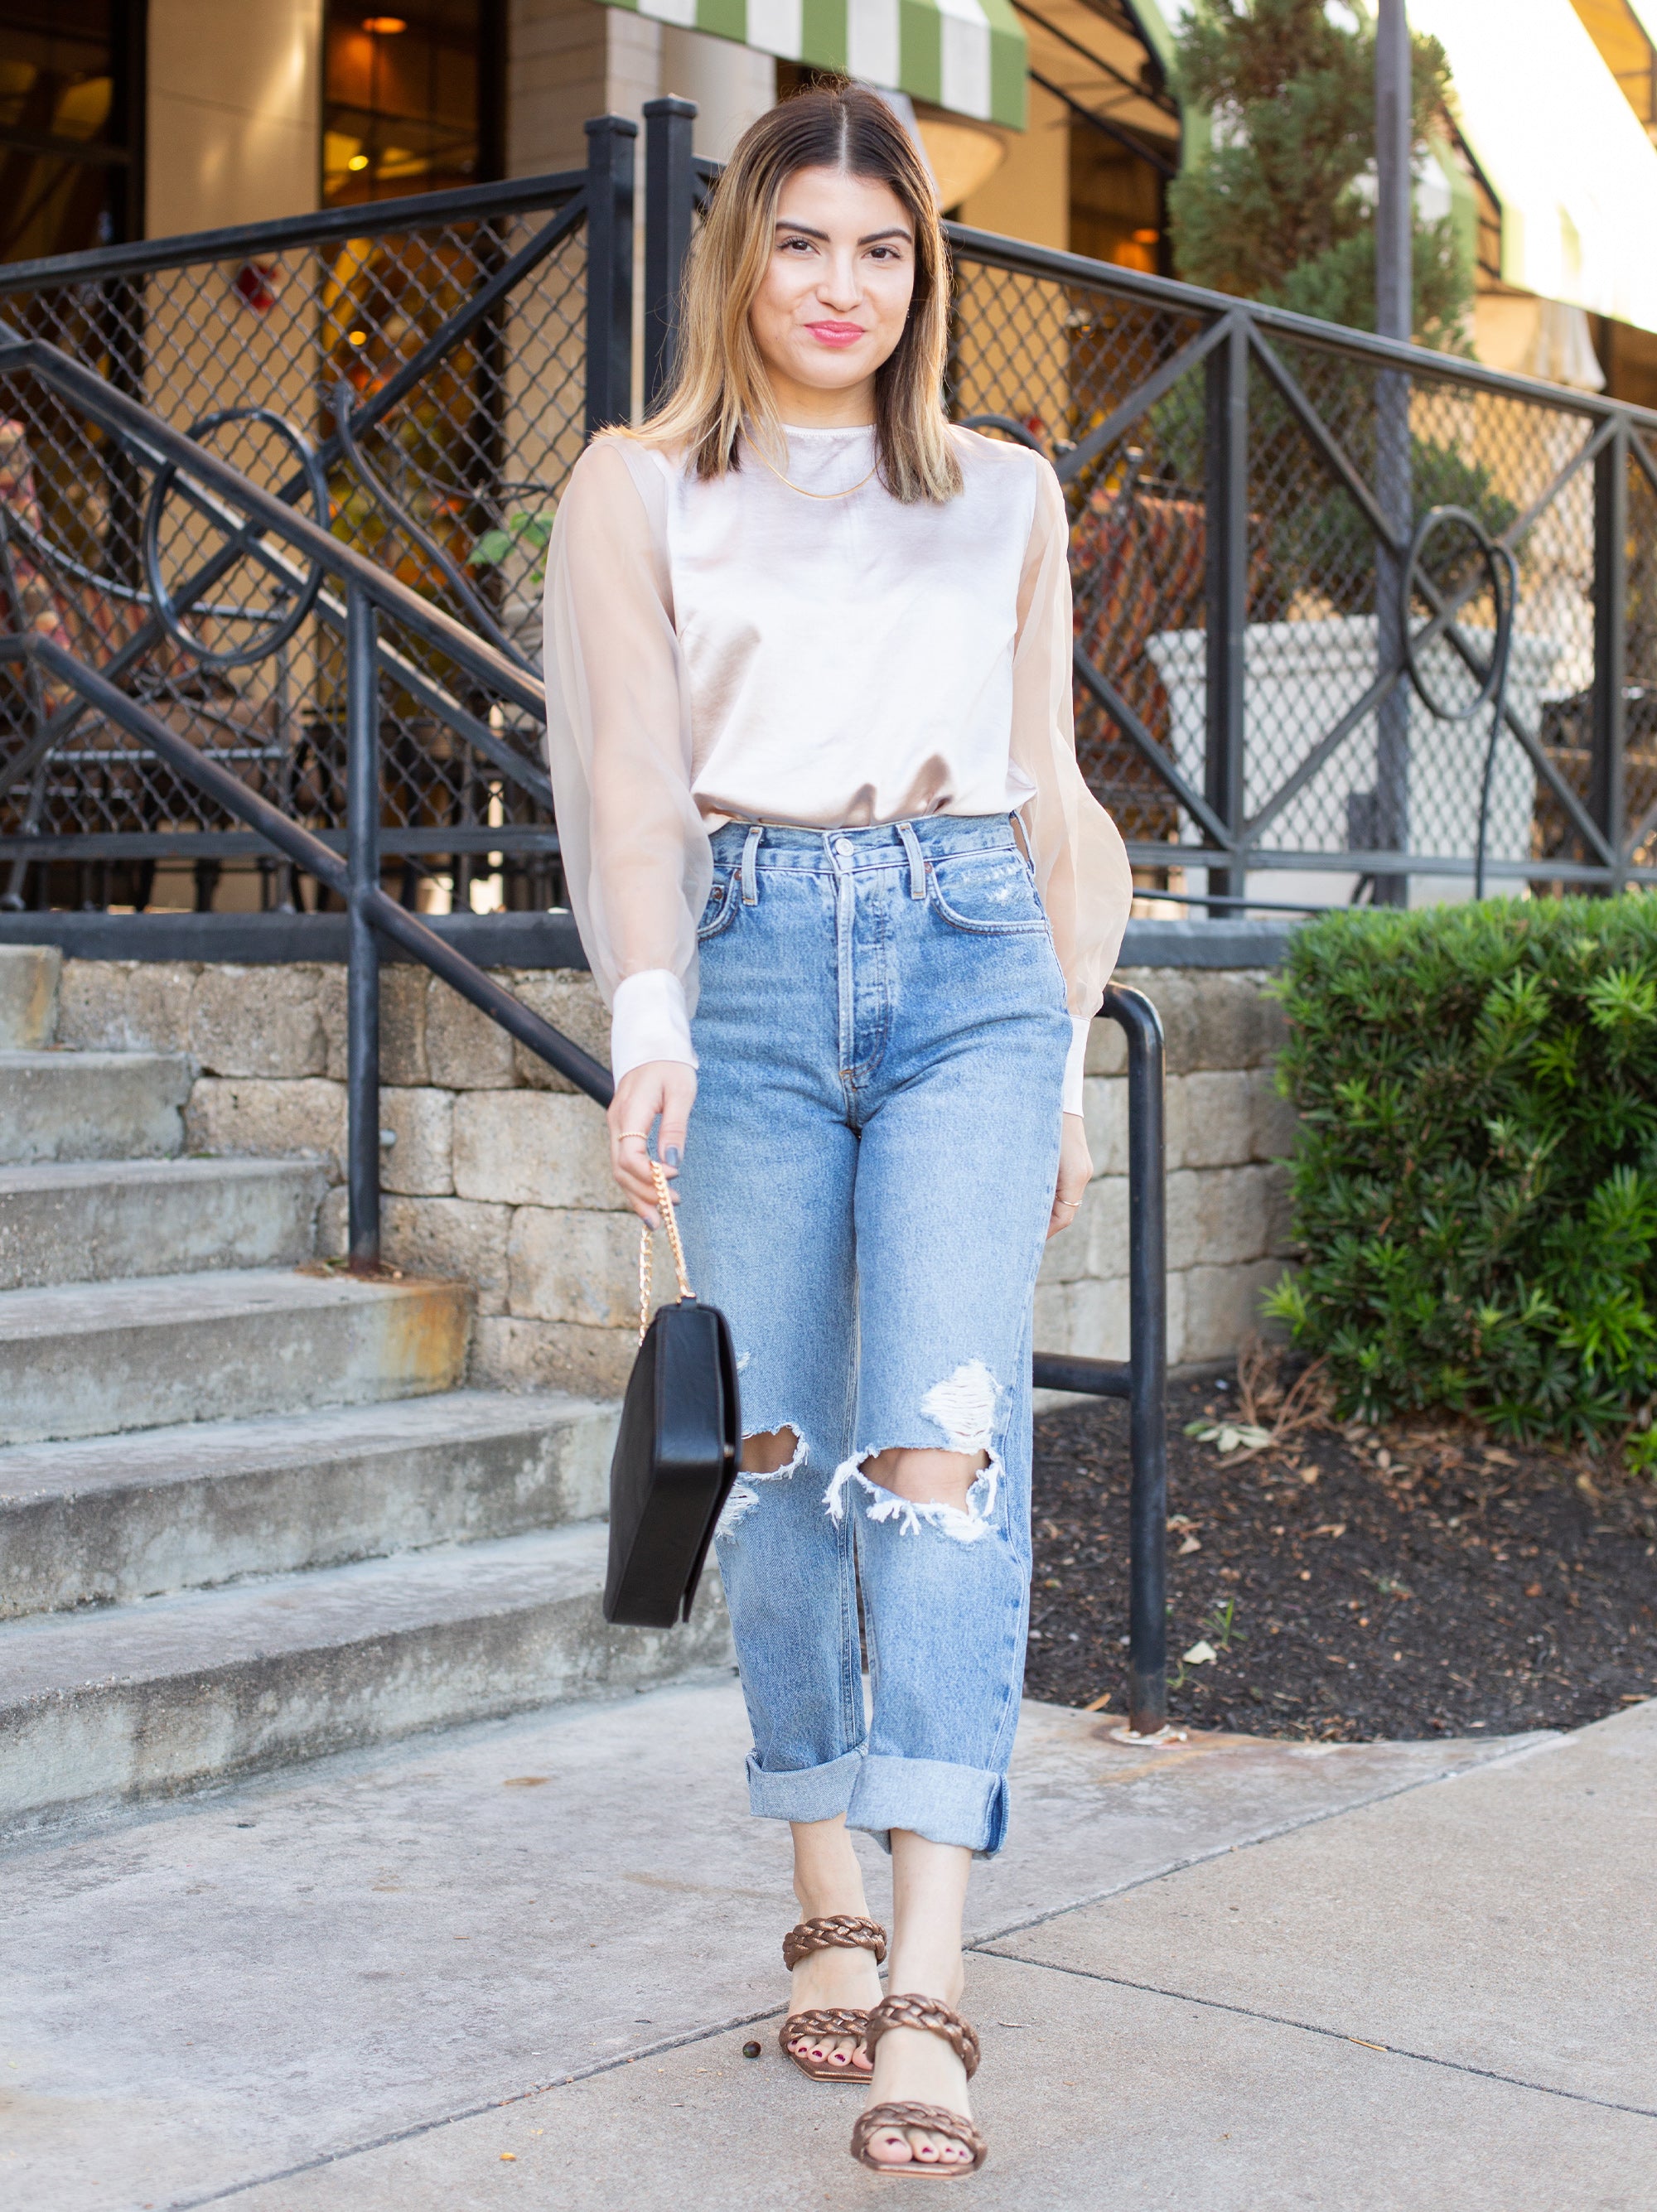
x=516 y=1964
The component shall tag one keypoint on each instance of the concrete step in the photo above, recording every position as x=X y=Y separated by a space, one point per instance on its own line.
x=91 y=1221
x=92 y=1105
x=88 y=1359
x=141 y=1700
x=28 y=996
x=117 y=1518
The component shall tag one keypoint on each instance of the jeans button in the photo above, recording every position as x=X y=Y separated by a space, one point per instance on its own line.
x=843 y=848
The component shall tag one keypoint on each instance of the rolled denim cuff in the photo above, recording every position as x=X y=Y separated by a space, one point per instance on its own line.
x=808 y=1793
x=947 y=1804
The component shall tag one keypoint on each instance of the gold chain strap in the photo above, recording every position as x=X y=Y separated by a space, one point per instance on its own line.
x=664 y=1203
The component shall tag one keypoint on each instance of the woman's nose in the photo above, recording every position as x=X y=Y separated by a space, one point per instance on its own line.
x=840 y=287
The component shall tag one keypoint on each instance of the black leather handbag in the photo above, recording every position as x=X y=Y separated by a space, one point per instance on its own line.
x=676 y=1452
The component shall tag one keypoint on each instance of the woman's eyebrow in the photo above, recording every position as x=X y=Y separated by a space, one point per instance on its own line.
x=873 y=238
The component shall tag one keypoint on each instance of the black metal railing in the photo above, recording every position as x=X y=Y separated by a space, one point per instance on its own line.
x=421 y=375
x=1244 y=486
x=1240 y=515
x=324 y=572
x=1142 y=1379
x=365 y=600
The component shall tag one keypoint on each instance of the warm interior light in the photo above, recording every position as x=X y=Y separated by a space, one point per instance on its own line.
x=1144 y=237
x=384 y=27
x=358 y=337
x=963 y=155
x=357 y=161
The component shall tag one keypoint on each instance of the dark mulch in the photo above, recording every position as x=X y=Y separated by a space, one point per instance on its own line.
x=1354 y=1583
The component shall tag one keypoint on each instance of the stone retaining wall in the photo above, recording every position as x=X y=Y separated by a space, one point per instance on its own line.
x=498 y=1170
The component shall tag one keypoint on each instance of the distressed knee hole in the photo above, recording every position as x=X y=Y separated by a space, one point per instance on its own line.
x=774 y=1451
x=901 y=1480
x=768 y=1455
x=924 y=1477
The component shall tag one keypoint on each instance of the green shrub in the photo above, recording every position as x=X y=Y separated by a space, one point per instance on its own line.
x=1475 y=1180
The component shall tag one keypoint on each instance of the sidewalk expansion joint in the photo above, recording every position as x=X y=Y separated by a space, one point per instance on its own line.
x=1528 y=1749
x=691 y=2036
x=1313 y=2027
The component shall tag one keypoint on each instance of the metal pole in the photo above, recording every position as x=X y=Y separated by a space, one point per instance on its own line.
x=1608 y=782
x=1395 y=319
x=362 y=975
x=1226 y=554
x=609 y=271
x=1147 y=1362
x=670 y=220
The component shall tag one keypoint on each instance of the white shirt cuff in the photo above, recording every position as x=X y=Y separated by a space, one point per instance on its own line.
x=1074 y=1061
x=648 y=1021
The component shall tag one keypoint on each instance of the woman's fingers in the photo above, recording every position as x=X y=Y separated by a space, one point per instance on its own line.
x=662 y=1090
x=1075 y=1173
x=678 y=1096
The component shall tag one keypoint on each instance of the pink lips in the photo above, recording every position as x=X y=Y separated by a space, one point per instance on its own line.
x=836 y=334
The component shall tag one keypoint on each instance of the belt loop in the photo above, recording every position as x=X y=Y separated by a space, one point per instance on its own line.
x=917 y=864
x=751 y=888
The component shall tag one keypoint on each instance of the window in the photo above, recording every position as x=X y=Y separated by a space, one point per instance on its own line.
x=70 y=106
x=411 y=100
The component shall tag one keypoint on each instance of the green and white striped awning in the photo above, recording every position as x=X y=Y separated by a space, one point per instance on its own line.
x=964 y=55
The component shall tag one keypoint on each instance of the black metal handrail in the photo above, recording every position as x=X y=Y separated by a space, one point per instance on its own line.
x=1142 y=1379
x=243 y=508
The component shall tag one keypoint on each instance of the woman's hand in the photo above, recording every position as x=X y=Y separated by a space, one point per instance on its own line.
x=1075 y=1174
x=667 y=1087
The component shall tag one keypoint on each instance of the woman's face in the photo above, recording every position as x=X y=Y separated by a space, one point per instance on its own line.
x=836 y=295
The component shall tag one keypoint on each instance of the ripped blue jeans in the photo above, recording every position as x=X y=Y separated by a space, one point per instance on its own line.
x=881 y=1032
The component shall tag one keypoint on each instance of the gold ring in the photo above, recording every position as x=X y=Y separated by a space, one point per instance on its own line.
x=643 y=1136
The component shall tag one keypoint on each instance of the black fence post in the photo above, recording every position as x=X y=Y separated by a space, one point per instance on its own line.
x=1226 y=557
x=1147 y=1363
x=362 y=975
x=609 y=271
x=1607 y=779
x=669 y=217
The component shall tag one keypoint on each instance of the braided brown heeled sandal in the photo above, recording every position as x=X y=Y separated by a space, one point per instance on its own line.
x=921 y=2012
x=840 y=1931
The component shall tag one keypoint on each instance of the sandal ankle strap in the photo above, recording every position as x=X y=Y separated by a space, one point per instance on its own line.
x=908 y=2011
x=838 y=1931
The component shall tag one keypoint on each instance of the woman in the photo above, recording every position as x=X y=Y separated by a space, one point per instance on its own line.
x=808 y=656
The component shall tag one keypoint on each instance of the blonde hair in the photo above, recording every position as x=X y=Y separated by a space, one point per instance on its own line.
x=720 y=387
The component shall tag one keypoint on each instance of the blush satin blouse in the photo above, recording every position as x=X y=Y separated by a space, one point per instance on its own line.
x=735 y=651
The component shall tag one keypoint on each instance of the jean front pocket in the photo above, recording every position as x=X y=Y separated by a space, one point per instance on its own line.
x=988 y=893
x=720 y=910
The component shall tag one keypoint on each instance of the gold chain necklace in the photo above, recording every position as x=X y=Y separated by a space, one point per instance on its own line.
x=801 y=490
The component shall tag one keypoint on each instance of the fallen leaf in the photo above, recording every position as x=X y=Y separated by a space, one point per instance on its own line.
x=509 y=2156
x=1189 y=1545
x=524 y=1782
x=1330 y=1528
x=1097 y=1705
x=1229 y=1436
x=1532 y=1590
x=1201 y=1653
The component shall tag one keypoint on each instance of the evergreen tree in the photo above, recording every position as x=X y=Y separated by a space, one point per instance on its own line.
x=1281 y=207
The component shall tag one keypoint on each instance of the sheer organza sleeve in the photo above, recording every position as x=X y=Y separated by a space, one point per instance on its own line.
x=635 y=853
x=1081 y=864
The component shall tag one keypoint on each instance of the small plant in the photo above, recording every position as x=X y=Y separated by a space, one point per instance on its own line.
x=1220 y=1627
x=534 y=531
